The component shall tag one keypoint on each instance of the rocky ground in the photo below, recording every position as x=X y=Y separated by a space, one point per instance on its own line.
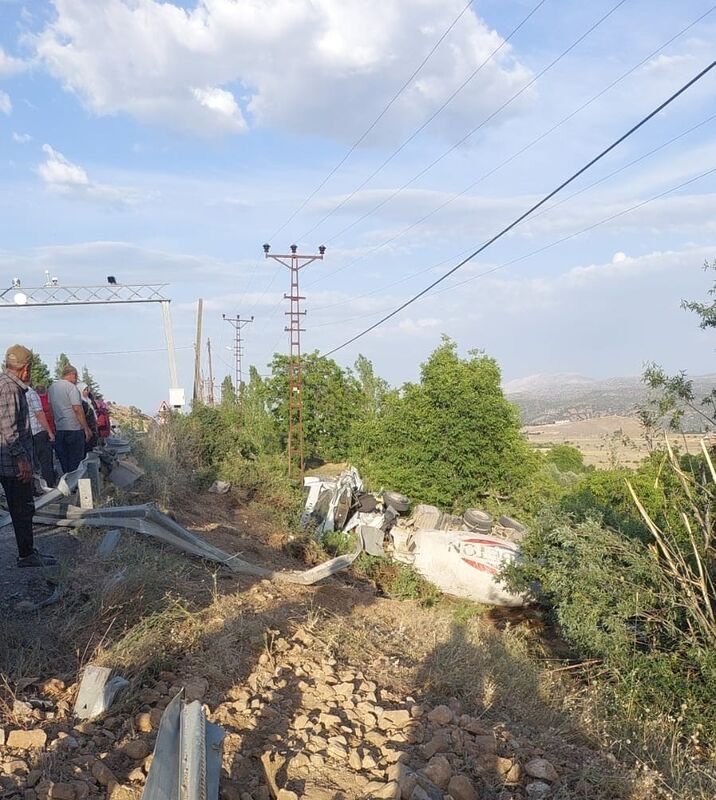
x=325 y=693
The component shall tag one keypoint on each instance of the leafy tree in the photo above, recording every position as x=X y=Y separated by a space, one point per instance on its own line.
x=566 y=458
x=451 y=439
x=91 y=382
x=40 y=374
x=228 y=393
x=62 y=362
x=331 y=404
x=374 y=388
x=707 y=311
x=674 y=394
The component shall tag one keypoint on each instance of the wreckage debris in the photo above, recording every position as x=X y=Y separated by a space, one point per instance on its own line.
x=97 y=691
x=186 y=763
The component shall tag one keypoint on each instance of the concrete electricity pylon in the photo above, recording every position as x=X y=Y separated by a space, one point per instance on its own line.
x=295 y=262
x=210 y=384
x=238 y=324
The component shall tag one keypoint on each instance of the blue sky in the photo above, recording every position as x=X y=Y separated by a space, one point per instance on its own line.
x=165 y=142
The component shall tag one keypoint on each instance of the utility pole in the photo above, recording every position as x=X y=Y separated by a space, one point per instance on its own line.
x=197 y=396
x=238 y=325
x=210 y=388
x=295 y=262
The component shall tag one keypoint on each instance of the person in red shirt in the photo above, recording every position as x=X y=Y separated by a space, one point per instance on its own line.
x=46 y=407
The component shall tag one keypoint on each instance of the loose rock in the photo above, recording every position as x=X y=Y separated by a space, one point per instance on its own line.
x=461 y=788
x=541 y=768
x=27 y=740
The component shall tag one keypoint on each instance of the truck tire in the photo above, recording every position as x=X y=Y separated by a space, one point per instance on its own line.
x=398 y=501
x=477 y=520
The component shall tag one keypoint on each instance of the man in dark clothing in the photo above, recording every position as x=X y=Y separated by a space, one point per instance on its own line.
x=16 y=453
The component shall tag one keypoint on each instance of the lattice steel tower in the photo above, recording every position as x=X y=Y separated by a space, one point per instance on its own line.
x=238 y=324
x=295 y=262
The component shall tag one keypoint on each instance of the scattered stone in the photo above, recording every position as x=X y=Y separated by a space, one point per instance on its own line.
x=285 y=794
x=14 y=766
x=137 y=749
x=541 y=768
x=136 y=775
x=27 y=740
x=439 y=771
x=143 y=722
x=461 y=788
x=104 y=775
x=2 y=737
x=537 y=790
x=195 y=688
x=440 y=715
x=397 y=719
x=61 y=791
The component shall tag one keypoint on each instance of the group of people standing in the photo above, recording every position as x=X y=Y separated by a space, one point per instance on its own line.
x=36 y=423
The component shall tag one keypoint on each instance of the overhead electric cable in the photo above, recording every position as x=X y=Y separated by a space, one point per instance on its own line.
x=435 y=114
x=532 y=208
x=518 y=153
x=545 y=247
x=546 y=210
x=372 y=125
x=457 y=144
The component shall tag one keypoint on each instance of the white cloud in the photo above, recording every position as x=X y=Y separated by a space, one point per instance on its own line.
x=312 y=66
x=63 y=176
x=224 y=105
x=21 y=138
x=10 y=65
x=5 y=103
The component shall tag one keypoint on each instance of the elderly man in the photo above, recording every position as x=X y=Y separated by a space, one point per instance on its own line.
x=16 y=453
x=71 y=428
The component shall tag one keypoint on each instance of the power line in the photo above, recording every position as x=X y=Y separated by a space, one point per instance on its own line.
x=533 y=208
x=541 y=213
x=549 y=246
x=424 y=125
x=125 y=352
x=460 y=142
x=518 y=153
x=372 y=125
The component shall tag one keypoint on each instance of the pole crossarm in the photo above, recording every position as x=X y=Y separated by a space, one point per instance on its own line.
x=51 y=295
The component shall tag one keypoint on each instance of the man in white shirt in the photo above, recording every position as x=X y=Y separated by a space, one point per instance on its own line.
x=42 y=437
x=71 y=428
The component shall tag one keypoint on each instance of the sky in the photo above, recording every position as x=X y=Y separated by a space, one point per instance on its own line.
x=165 y=142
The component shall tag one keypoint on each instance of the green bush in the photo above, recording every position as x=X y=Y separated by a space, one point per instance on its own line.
x=615 y=601
x=566 y=458
x=452 y=439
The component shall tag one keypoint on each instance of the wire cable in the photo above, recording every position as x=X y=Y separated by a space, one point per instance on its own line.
x=518 y=153
x=461 y=141
x=532 y=208
x=372 y=125
x=549 y=246
x=424 y=125
x=538 y=214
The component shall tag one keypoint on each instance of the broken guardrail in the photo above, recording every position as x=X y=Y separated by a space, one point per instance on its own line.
x=187 y=755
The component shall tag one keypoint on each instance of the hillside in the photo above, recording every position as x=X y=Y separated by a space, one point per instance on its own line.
x=545 y=399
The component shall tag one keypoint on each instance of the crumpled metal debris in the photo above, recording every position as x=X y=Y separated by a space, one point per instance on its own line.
x=329 y=501
x=124 y=473
x=220 y=487
x=97 y=691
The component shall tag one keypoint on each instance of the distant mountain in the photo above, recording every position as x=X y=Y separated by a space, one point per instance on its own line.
x=545 y=399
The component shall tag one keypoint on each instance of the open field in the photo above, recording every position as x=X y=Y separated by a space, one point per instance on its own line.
x=605 y=441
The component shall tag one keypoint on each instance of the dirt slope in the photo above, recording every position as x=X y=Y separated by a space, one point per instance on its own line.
x=334 y=690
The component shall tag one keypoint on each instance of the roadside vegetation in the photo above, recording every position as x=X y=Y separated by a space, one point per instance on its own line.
x=624 y=558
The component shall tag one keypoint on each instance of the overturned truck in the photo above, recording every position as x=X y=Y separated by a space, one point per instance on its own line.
x=461 y=555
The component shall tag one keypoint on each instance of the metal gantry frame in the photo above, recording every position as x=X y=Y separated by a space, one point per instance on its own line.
x=295 y=262
x=54 y=294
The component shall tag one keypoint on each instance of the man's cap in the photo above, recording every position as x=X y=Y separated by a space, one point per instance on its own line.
x=69 y=370
x=17 y=356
